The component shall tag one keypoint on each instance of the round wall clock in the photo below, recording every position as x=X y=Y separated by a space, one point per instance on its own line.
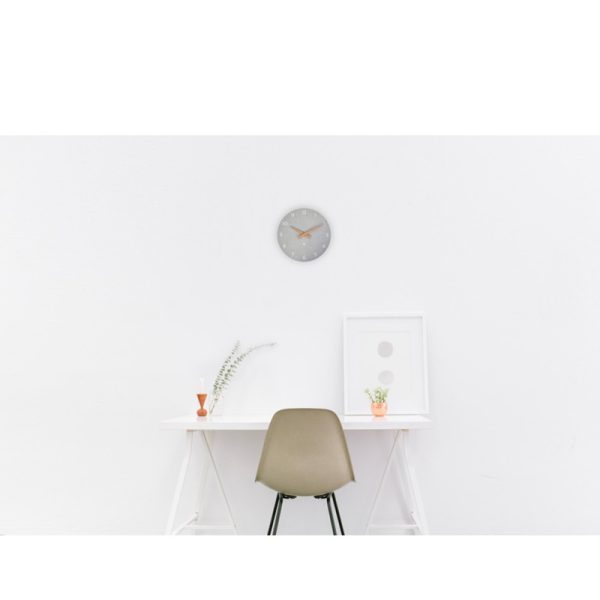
x=303 y=234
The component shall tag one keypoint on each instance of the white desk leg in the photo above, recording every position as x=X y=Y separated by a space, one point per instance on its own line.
x=414 y=494
x=202 y=487
x=180 y=481
x=214 y=465
x=383 y=478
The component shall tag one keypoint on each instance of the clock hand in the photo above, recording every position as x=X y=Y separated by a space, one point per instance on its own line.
x=312 y=229
x=301 y=234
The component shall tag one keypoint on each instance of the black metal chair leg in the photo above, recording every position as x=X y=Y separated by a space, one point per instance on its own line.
x=280 y=496
x=337 y=512
x=331 y=514
x=273 y=515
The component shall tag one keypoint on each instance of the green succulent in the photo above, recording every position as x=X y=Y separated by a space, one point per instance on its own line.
x=378 y=395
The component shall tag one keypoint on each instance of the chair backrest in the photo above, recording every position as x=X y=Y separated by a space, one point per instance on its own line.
x=305 y=453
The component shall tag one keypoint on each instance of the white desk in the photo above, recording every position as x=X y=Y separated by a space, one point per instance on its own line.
x=400 y=427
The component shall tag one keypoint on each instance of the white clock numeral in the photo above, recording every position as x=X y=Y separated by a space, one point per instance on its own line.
x=284 y=246
x=293 y=215
x=314 y=253
x=303 y=257
x=322 y=245
x=303 y=212
x=285 y=223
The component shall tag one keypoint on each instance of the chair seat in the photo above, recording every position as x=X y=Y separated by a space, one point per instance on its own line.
x=305 y=453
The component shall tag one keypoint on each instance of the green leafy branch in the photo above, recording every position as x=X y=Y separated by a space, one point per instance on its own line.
x=228 y=370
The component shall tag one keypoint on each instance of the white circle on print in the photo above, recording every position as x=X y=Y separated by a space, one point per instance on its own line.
x=385 y=349
x=303 y=234
x=386 y=377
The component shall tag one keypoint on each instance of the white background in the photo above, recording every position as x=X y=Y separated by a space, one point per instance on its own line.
x=325 y=66
x=319 y=67
x=129 y=267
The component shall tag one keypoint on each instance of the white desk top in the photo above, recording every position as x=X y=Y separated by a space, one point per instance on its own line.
x=261 y=423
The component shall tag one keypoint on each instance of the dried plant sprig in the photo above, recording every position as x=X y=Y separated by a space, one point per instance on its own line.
x=225 y=364
x=228 y=370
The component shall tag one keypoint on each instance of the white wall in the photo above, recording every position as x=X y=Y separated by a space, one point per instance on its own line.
x=130 y=266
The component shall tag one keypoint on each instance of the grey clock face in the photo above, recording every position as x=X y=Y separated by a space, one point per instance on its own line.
x=303 y=234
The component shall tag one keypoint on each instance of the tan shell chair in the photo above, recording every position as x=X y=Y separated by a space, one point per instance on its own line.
x=305 y=454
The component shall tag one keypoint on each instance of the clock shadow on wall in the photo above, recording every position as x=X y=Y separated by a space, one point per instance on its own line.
x=304 y=234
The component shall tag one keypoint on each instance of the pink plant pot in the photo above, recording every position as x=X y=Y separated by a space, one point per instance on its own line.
x=379 y=409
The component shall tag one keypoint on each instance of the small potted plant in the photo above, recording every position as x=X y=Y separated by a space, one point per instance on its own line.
x=378 y=398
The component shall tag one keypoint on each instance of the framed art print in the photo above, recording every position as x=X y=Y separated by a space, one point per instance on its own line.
x=388 y=351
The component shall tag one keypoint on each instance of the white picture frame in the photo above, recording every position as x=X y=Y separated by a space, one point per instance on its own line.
x=387 y=350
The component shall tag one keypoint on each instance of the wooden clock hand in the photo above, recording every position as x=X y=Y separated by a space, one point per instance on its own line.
x=312 y=229
x=298 y=231
x=301 y=234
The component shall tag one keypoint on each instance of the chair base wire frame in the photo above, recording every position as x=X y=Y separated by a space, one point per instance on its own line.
x=274 y=523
